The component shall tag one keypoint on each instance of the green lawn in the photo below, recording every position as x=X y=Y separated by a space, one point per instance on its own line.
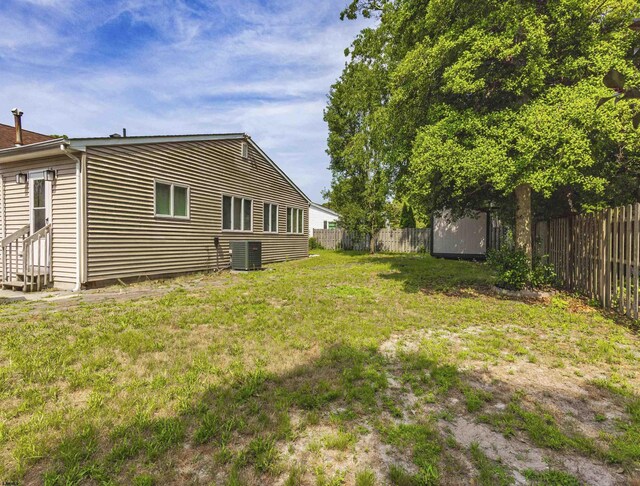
x=340 y=369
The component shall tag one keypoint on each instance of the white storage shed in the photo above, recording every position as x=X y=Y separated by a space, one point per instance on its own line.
x=463 y=238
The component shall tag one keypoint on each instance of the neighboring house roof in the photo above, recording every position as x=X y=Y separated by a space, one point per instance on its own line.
x=80 y=144
x=8 y=136
x=320 y=207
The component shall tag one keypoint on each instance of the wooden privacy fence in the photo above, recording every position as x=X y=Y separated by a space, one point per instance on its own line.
x=497 y=235
x=406 y=240
x=596 y=254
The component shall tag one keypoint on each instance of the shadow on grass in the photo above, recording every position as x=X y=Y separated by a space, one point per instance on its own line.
x=234 y=433
x=424 y=273
x=461 y=278
x=233 y=429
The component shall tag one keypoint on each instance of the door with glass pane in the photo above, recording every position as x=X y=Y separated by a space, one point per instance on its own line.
x=40 y=213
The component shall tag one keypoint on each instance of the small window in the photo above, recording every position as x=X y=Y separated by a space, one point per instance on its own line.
x=39 y=208
x=245 y=150
x=226 y=213
x=180 y=201
x=270 y=215
x=246 y=211
x=237 y=214
x=295 y=220
x=172 y=200
x=274 y=218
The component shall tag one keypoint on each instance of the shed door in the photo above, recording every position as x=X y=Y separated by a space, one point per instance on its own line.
x=39 y=211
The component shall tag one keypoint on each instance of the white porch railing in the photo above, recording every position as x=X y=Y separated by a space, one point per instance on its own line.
x=26 y=259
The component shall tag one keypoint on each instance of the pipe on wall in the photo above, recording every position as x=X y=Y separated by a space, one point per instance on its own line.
x=66 y=151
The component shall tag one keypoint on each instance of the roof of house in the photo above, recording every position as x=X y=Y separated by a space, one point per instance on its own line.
x=8 y=136
x=320 y=207
x=82 y=143
x=48 y=145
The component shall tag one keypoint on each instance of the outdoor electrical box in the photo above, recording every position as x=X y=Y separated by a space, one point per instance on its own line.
x=246 y=255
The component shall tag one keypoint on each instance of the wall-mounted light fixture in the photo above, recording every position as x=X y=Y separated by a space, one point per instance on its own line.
x=50 y=175
x=21 y=178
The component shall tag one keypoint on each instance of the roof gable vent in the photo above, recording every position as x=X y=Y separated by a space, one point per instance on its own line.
x=244 y=150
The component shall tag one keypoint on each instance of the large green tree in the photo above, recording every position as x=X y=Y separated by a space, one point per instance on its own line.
x=492 y=103
x=360 y=183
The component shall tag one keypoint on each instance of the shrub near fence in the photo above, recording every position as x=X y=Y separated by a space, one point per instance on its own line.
x=597 y=255
x=406 y=240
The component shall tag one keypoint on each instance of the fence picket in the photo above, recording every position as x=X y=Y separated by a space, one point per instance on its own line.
x=606 y=260
x=636 y=259
x=614 y=257
x=628 y=236
x=621 y=259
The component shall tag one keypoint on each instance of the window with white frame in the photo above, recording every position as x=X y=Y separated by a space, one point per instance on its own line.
x=172 y=200
x=295 y=220
x=237 y=214
x=270 y=218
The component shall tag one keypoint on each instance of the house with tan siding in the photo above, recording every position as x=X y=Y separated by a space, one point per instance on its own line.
x=81 y=212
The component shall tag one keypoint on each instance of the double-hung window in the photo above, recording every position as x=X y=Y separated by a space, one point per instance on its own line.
x=295 y=220
x=270 y=218
x=172 y=200
x=237 y=214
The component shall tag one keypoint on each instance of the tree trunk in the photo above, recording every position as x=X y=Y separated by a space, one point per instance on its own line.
x=524 y=220
x=372 y=242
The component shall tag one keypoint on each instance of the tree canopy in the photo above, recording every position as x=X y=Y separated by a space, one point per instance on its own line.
x=460 y=103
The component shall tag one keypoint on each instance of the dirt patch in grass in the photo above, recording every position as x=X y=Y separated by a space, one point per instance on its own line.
x=589 y=412
x=519 y=455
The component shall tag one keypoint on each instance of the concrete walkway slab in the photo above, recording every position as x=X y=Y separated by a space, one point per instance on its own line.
x=7 y=296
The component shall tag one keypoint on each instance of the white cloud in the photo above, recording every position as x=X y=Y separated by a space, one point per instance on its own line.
x=263 y=68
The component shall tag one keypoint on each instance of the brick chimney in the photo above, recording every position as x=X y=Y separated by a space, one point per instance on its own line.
x=17 y=118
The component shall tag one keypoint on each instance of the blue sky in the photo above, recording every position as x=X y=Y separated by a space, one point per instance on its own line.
x=92 y=67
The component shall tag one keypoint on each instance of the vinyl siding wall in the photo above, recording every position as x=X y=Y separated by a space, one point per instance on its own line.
x=126 y=239
x=14 y=212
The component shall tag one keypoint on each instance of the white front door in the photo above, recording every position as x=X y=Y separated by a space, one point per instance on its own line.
x=39 y=212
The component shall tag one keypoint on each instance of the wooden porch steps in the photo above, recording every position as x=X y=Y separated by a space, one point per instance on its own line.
x=28 y=284
x=13 y=285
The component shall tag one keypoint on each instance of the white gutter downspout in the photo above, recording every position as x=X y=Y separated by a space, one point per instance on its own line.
x=63 y=147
